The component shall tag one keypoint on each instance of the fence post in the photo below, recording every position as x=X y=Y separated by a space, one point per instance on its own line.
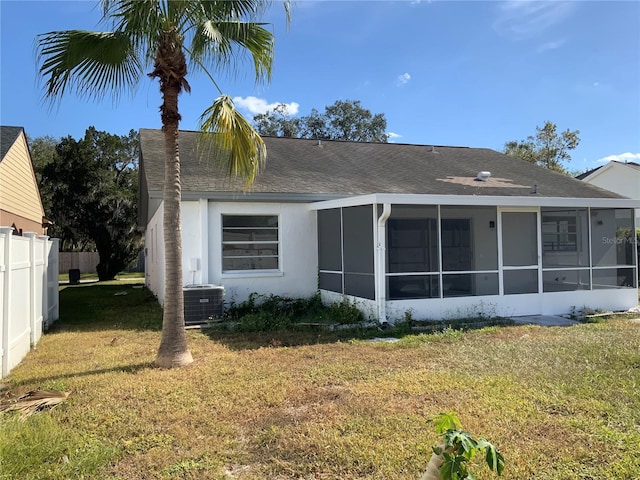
x=45 y=291
x=32 y=286
x=7 y=232
x=53 y=245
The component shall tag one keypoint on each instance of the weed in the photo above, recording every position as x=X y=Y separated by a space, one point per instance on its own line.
x=273 y=312
x=345 y=312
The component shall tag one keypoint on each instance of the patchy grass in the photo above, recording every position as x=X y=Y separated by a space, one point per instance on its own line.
x=559 y=403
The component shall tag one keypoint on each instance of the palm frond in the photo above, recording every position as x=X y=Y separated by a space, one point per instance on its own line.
x=221 y=43
x=92 y=64
x=35 y=401
x=241 y=151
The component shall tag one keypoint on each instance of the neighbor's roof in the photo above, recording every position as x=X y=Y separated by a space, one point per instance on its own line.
x=588 y=173
x=339 y=168
x=8 y=136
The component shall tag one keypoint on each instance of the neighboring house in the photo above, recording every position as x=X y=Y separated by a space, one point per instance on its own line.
x=20 y=203
x=620 y=177
x=437 y=231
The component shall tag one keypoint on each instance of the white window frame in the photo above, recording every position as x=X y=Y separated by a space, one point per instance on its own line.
x=251 y=272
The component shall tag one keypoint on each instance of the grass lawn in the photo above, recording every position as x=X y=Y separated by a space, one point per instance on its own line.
x=559 y=403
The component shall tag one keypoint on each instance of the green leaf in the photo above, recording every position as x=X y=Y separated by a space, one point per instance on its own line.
x=446 y=421
x=494 y=459
x=453 y=467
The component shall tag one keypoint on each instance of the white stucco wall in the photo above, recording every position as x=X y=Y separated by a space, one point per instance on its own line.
x=555 y=303
x=202 y=250
x=154 y=255
x=298 y=275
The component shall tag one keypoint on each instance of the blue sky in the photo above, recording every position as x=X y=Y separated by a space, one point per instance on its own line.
x=443 y=72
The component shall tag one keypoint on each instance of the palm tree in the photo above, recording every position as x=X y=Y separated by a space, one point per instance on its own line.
x=172 y=35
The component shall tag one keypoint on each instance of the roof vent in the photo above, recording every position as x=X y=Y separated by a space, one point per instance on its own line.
x=483 y=176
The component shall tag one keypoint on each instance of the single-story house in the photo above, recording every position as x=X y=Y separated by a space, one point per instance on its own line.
x=20 y=202
x=620 y=177
x=436 y=231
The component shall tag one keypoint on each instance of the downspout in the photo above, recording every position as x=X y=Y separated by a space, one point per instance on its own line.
x=381 y=253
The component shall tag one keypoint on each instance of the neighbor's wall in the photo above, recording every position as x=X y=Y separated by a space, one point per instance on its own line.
x=621 y=179
x=19 y=196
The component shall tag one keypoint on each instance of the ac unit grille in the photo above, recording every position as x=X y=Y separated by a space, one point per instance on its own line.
x=202 y=302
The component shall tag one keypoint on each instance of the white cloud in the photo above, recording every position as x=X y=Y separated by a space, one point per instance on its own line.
x=622 y=157
x=403 y=79
x=392 y=136
x=255 y=105
x=550 y=46
x=520 y=19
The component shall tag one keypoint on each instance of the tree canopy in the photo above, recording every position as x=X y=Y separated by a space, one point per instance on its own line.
x=546 y=148
x=89 y=188
x=344 y=120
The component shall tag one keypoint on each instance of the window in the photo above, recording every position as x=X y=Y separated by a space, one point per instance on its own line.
x=250 y=242
x=560 y=234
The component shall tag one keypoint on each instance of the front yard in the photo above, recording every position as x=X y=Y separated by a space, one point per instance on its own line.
x=559 y=403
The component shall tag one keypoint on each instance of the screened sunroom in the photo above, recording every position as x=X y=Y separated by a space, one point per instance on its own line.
x=444 y=256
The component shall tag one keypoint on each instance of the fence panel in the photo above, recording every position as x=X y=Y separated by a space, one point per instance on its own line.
x=28 y=299
x=86 y=262
x=19 y=332
x=52 y=311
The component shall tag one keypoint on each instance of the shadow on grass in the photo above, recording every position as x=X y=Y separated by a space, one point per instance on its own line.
x=296 y=337
x=304 y=335
x=63 y=376
x=107 y=306
x=125 y=306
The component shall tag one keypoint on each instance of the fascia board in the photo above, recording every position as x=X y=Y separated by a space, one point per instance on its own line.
x=481 y=200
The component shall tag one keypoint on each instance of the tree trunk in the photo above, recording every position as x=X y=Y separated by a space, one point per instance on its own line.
x=171 y=68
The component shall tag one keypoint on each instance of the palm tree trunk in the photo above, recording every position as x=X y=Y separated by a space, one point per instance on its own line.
x=170 y=68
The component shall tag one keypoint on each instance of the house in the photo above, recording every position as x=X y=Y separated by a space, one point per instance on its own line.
x=437 y=231
x=619 y=177
x=20 y=203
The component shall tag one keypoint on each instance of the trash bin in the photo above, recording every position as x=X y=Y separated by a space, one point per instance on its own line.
x=74 y=276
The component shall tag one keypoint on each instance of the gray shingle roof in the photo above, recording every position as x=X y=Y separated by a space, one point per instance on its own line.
x=301 y=166
x=8 y=136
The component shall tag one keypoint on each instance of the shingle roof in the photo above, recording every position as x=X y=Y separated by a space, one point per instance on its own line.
x=8 y=136
x=302 y=166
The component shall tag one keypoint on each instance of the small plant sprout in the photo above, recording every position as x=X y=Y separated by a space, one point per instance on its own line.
x=455 y=448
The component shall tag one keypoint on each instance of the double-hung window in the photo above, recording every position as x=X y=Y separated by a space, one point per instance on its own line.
x=250 y=242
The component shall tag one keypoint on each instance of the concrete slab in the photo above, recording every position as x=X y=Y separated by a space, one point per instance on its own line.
x=545 y=320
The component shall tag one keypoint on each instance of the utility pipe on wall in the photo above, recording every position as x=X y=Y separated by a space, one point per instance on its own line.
x=381 y=257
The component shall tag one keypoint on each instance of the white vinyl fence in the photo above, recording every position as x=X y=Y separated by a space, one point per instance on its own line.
x=28 y=292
